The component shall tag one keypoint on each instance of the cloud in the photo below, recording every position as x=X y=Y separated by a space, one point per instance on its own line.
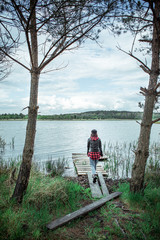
x=95 y=78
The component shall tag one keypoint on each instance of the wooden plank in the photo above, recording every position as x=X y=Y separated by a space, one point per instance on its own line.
x=79 y=154
x=103 y=184
x=97 y=204
x=95 y=189
x=89 y=169
x=82 y=164
x=85 y=173
x=82 y=155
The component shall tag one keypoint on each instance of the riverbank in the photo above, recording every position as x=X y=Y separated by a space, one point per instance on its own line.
x=47 y=198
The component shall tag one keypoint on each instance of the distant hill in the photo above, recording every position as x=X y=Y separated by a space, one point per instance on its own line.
x=90 y=115
x=97 y=115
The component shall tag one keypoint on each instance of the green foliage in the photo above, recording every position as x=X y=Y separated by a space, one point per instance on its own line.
x=13 y=116
x=148 y=205
x=45 y=199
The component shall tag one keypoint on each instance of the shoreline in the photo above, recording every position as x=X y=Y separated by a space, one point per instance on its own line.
x=71 y=120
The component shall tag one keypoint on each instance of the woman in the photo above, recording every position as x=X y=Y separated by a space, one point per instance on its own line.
x=94 y=151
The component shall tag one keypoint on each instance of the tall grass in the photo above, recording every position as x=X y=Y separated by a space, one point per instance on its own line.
x=2 y=147
x=2 y=143
x=148 y=206
x=46 y=198
x=56 y=167
x=121 y=158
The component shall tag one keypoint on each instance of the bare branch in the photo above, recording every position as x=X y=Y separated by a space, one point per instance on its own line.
x=19 y=14
x=157 y=86
x=25 y=108
x=144 y=69
x=131 y=55
x=15 y=60
x=156 y=120
x=133 y=42
x=145 y=40
x=138 y=122
x=27 y=32
x=10 y=35
x=69 y=43
x=55 y=69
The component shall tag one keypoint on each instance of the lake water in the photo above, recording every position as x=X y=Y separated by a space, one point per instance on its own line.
x=62 y=138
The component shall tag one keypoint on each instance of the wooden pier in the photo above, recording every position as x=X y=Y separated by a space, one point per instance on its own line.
x=82 y=164
x=98 y=190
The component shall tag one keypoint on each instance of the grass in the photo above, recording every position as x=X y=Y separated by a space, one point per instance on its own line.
x=132 y=216
x=46 y=198
x=147 y=207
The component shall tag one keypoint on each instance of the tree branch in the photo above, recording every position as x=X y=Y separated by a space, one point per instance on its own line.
x=72 y=40
x=15 y=60
x=10 y=35
x=158 y=85
x=27 y=32
x=156 y=120
x=19 y=14
x=143 y=66
x=145 y=40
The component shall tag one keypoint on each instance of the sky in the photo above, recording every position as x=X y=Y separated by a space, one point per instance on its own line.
x=93 y=77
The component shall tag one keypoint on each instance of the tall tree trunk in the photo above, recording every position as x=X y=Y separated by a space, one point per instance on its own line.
x=142 y=152
x=24 y=173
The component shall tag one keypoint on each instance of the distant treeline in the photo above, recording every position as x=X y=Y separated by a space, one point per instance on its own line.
x=96 y=115
x=12 y=116
x=91 y=115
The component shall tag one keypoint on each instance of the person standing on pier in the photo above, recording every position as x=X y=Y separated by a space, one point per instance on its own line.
x=94 y=152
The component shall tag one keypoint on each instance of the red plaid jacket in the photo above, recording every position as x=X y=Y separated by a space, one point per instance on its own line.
x=94 y=155
x=94 y=148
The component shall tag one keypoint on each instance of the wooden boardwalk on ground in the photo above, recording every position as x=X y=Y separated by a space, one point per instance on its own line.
x=63 y=220
x=82 y=164
x=98 y=190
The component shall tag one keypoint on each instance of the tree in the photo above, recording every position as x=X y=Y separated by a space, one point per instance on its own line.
x=4 y=63
x=142 y=18
x=49 y=26
x=151 y=94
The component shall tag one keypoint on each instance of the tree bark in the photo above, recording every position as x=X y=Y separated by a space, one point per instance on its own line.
x=24 y=173
x=142 y=152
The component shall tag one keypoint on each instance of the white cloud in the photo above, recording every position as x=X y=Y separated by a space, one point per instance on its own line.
x=95 y=78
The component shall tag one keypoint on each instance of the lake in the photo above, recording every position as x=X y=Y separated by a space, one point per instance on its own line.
x=56 y=139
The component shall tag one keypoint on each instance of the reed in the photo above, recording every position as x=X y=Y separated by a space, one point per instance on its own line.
x=56 y=167
x=2 y=143
x=2 y=147
x=121 y=158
